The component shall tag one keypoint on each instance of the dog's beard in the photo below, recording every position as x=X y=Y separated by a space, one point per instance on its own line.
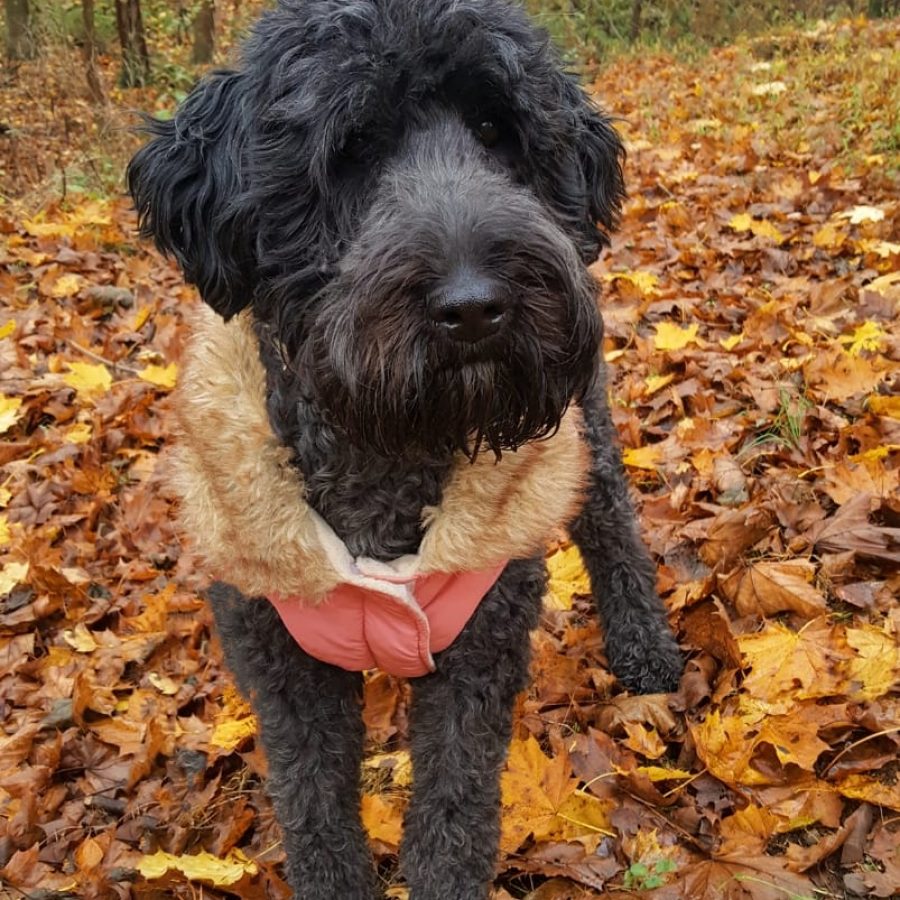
x=394 y=388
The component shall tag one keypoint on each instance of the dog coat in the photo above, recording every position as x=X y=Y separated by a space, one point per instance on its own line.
x=244 y=509
x=384 y=615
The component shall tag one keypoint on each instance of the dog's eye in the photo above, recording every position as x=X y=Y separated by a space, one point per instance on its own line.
x=488 y=133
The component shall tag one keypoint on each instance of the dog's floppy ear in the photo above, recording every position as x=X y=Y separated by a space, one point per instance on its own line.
x=601 y=155
x=186 y=183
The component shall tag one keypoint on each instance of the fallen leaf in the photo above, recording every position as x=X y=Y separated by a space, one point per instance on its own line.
x=203 y=866
x=567 y=578
x=875 y=669
x=80 y=639
x=161 y=376
x=869 y=336
x=9 y=412
x=382 y=819
x=860 y=214
x=90 y=380
x=788 y=665
x=767 y=588
x=165 y=685
x=11 y=574
x=648 y=457
x=67 y=285
x=671 y=337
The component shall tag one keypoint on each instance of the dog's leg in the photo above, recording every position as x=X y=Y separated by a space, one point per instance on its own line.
x=312 y=732
x=641 y=649
x=460 y=724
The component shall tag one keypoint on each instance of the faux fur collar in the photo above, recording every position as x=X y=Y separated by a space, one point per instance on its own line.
x=243 y=503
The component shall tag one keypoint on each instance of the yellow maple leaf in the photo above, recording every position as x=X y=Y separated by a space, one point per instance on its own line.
x=5 y=534
x=876 y=665
x=881 y=792
x=740 y=222
x=656 y=383
x=661 y=773
x=648 y=457
x=645 y=282
x=884 y=405
x=868 y=336
x=66 y=286
x=750 y=829
x=89 y=379
x=9 y=412
x=203 y=866
x=886 y=285
x=728 y=743
x=161 y=376
x=382 y=819
x=764 y=228
x=884 y=249
x=860 y=214
x=79 y=433
x=730 y=343
x=874 y=454
x=141 y=317
x=580 y=815
x=236 y=722
x=829 y=237
x=759 y=227
x=533 y=789
x=721 y=743
x=6 y=329
x=11 y=574
x=230 y=734
x=568 y=578
x=48 y=229
x=792 y=665
x=670 y=336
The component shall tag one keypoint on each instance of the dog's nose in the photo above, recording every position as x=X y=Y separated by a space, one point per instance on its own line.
x=468 y=307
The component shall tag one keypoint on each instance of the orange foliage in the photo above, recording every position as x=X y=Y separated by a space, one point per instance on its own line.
x=751 y=303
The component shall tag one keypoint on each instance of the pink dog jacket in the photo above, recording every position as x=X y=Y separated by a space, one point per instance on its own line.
x=383 y=615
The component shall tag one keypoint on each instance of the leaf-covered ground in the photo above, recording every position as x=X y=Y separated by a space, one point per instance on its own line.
x=751 y=301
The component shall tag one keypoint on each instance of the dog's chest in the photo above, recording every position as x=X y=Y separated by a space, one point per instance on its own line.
x=373 y=504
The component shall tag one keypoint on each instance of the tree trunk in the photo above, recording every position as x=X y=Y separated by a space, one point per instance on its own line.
x=20 y=43
x=204 y=33
x=135 y=58
x=94 y=82
x=637 y=9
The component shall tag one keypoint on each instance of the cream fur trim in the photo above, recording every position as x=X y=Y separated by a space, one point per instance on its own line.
x=243 y=503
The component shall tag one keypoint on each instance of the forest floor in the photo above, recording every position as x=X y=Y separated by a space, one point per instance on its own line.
x=751 y=301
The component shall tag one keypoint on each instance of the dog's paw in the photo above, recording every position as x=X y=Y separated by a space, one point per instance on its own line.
x=646 y=667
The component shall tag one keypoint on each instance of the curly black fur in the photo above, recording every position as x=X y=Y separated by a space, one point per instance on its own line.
x=317 y=180
x=360 y=156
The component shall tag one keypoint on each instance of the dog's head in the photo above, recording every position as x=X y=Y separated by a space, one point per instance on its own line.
x=407 y=192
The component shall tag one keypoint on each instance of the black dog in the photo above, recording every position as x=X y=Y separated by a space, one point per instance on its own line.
x=396 y=200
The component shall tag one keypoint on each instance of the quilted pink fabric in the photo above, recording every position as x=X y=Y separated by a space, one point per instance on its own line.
x=384 y=620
